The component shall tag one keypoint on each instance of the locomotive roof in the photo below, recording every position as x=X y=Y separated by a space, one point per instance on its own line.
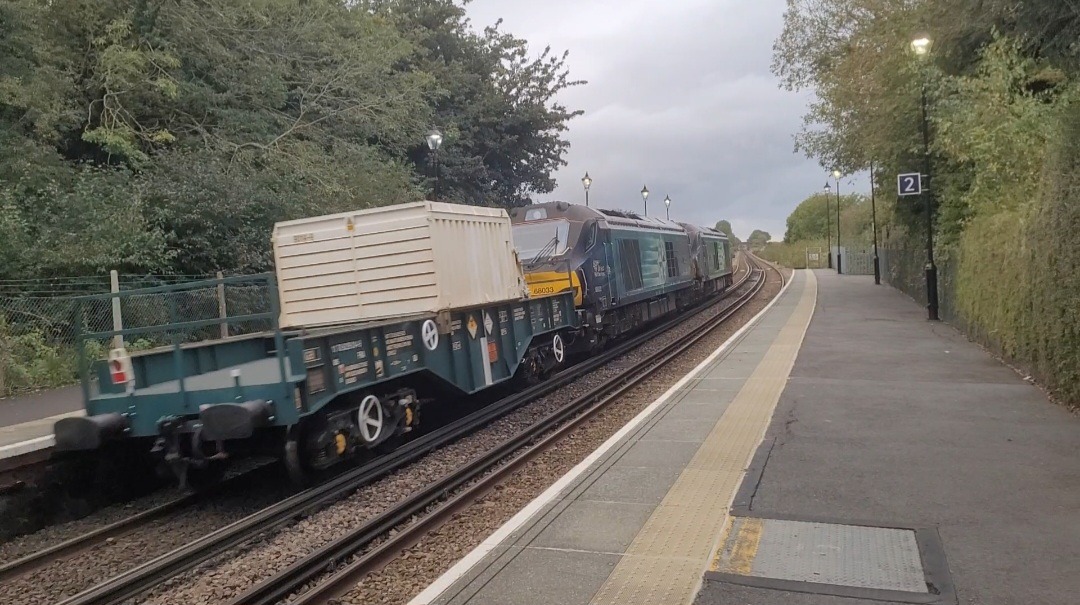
x=629 y=218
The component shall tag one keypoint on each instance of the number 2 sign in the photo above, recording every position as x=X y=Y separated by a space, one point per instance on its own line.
x=909 y=184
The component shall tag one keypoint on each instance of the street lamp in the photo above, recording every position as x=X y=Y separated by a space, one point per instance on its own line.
x=836 y=175
x=667 y=203
x=873 y=224
x=645 y=197
x=434 y=141
x=921 y=47
x=586 y=181
x=828 y=225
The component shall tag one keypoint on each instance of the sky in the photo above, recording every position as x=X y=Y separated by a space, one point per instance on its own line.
x=680 y=98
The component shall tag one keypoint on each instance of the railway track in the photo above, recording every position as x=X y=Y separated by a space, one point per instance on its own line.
x=153 y=572
x=466 y=486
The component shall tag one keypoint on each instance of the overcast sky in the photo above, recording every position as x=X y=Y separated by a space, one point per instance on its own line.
x=679 y=98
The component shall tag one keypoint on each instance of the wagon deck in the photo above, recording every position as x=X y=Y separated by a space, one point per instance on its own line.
x=281 y=376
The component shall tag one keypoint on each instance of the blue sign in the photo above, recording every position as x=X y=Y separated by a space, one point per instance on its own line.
x=909 y=184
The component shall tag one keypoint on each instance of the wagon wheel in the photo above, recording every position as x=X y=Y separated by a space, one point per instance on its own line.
x=371 y=419
x=558 y=348
x=299 y=474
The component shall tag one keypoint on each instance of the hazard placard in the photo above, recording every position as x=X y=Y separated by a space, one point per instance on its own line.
x=471 y=326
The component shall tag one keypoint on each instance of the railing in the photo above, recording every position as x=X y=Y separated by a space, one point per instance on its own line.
x=174 y=327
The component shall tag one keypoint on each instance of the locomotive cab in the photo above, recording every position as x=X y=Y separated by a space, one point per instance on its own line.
x=553 y=241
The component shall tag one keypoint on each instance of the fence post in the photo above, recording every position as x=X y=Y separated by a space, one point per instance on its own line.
x=117 y=320
x=3 y=356
x=222 y=311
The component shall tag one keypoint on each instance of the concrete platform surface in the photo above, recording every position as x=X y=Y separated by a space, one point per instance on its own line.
x=43 y=404
x=894 y=421
x=638 y=521
x=26 y=422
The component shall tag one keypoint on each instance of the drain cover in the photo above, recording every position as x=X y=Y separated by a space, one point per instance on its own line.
x=876 y=558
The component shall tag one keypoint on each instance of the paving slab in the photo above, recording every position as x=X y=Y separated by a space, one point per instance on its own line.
x=891 y=420
x=43 y=404
x=636 y=521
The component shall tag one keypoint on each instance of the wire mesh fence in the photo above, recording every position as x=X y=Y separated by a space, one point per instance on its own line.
x=40 y=321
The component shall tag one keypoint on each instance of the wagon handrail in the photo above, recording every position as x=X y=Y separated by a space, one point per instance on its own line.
x=174 y=325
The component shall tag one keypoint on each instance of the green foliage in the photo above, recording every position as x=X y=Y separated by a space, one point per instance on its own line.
x=808 y=220
x=725 y=228
x=28 y=361
x=168 y=137
x=999 y=88
x=758 y=239
x=795 y=255
x=503 y=130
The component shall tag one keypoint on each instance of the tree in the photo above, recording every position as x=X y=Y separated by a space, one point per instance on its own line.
x=725 y=228
x=503 y=130
x=758 y=239
x=808 y=220
x=170 y=136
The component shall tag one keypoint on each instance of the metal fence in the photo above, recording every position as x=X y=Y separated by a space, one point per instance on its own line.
x=905 y=270
x=48 y=310
x=39 y=325
x=857 y=260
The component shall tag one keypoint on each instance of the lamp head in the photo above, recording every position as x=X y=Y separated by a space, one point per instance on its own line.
x=921 y=45
x=434 y=140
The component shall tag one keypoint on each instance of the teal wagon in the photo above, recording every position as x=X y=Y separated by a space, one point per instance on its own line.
x=314 y=394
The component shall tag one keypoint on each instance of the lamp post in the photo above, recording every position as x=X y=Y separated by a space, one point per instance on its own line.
x=586 y=181
x=921 y=48
x=828 y=225
x=667 y=203
x=434 y=141
x=836 y=175
x=873 y=224
x=645 y=197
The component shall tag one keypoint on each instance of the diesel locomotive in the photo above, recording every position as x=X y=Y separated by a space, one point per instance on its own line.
x=624 y=270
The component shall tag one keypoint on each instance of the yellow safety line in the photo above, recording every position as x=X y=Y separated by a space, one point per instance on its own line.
x=665 y=562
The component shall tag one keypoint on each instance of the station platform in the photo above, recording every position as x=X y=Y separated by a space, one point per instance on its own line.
x=838 y=450
x=26 y=422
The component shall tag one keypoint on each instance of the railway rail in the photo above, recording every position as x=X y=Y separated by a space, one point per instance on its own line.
x=466 y=485
x=152 y=573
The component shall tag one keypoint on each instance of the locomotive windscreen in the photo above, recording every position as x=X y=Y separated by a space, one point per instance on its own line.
x=542 y=239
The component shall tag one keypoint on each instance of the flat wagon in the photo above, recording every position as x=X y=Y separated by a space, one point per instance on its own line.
x=317 y=394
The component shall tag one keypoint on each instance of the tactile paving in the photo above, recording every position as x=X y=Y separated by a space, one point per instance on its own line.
x=665 y=562
x=823 y=553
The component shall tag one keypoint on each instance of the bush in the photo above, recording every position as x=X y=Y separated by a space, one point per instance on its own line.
x=28 y=362
x=794 y=255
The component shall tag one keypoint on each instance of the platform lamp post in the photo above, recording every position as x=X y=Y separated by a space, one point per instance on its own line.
x=921 y=47
x=645 y=198
x=873 y=225
x=836 y=175
x=434 y=141
x=587 y=182
x=667 y=204
x=828 y=224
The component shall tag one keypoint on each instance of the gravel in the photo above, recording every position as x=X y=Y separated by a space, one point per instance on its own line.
x=231 y=574
x=227 y=577
x=420 y=565
x=68 y=577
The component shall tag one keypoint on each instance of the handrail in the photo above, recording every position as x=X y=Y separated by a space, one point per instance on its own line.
x=175 y=326
x=266 y=278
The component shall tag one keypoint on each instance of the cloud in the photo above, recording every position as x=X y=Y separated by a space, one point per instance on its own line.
x=680 y=97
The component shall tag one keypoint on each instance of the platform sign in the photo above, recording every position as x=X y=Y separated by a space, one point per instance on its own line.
x=909 y=184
